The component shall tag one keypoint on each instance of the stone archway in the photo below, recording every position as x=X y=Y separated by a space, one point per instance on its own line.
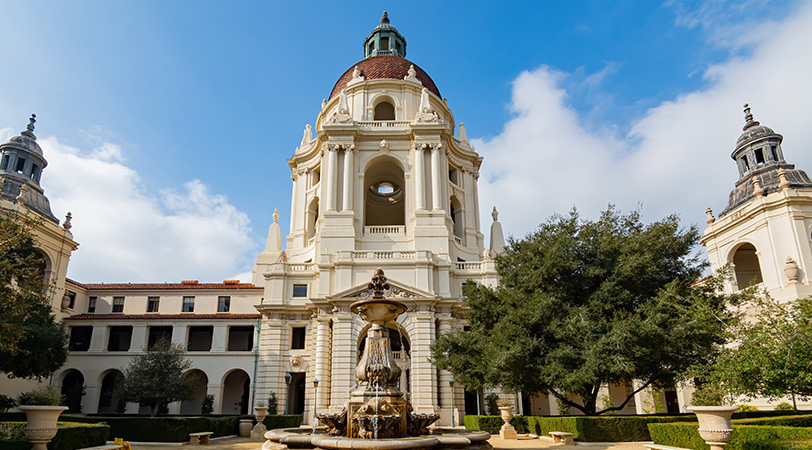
x=235 y=392
x=73 y=388
x=109 y=396
x=200 y=383
x=747 y=267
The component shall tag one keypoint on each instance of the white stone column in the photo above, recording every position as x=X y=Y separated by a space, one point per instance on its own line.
x=424 y=393
x=329 y=188
x=218 y=338
x=444 y=387
x=323 y=362
x=346 y=203
x=419 y=179
x=436 y=177
x=343 y=357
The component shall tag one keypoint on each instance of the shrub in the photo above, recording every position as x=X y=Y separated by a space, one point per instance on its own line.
x=784 y=406
x=6 y=403
x=745 y=437
x=227 y=425
x=11 y=431
x=45 y=395
x=272 y=422
x=492 y=404
x=71 y=435
x=273 y=404
x=744 y=407
x=207 y=407
x=587 y=429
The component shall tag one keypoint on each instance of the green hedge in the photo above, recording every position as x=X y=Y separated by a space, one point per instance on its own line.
x=745 y=437
x=586 y=429
x=781 y=421
x=69 y=436
x=275 y=421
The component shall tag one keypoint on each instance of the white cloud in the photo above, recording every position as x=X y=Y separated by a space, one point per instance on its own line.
x=676 y=158
x=127 y=234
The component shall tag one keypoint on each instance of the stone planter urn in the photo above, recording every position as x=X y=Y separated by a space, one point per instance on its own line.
x=507 y=431
x=260 y=429
x=714 y=424
x=245 y=427
x=40 y=426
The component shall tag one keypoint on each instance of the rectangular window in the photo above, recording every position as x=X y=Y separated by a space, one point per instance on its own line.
x=188 y=304
x=384 y=43
x=298 y=338
x=200 y=339
x=241 y=339
x=152 y=304
x=20 y=165
x=158 y=333
x=300 y=290
x=759 y=156
x=745 y=164
x=774 y=151
x=80 y=339
x=223 y=304
x=4 y=164
x=119 y=340
x=91 y=305
x=34 y=172
x=118 y=304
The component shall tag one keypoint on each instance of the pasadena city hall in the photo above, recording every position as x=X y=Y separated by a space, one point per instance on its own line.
x=380 y=180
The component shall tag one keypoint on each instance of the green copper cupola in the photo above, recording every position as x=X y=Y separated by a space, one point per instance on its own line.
x=384 y=40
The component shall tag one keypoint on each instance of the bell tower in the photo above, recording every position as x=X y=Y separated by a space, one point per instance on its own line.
x=765 y=231
x=380 y=181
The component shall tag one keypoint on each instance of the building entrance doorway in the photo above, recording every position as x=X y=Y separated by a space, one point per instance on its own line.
x=296 y=393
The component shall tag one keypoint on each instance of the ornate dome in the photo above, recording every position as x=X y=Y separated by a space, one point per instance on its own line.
x=26 y=140
x=753 y=130
x=383 y=67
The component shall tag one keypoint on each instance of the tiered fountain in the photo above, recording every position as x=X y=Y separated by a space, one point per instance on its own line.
x=377 y=416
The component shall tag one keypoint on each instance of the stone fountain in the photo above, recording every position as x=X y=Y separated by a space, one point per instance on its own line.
x=377 y=416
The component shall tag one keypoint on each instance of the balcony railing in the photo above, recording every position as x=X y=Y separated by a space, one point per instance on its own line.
x=470 y=266
x=385 y=229
x=384 y=124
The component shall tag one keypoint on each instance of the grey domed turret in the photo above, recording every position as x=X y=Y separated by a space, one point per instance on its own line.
x=21 y=163
x=761 y=162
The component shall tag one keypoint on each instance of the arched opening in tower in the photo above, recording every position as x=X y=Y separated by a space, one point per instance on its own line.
x=385 y=199
x=457 y=217
x=312 y=219
x=748 y=270
x=384 y=111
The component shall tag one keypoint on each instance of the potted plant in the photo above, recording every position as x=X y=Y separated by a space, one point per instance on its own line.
x=506 y=409
x=261 y=411
x=714 y=417
x=42 y=407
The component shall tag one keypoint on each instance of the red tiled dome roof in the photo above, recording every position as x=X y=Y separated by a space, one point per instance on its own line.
x=378 y=67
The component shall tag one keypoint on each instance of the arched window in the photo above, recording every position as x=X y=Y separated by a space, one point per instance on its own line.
x=457 y=217
x=747 y=267
x=312 y=218
x=384 y=111
x=384 y=203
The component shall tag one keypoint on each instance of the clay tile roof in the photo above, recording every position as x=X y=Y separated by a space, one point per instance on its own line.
x=385 y=66
x=187 y=316
x=164 y=286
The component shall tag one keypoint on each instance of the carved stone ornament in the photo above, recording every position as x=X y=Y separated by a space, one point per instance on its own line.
x=487 y=255
x=783 y=183
x=343 y=113
x=791 y=270
x=709 y=212
x=282 y=258
x=67 y=225
x=384 y=146
x=21 y=197
x=295 y=360
x=758 y=190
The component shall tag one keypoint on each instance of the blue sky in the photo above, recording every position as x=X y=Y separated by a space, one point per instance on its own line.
x=167 y=124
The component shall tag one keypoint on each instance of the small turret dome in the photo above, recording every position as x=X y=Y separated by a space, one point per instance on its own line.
x=26 y=140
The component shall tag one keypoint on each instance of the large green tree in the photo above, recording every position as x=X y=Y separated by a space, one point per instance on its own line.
x=581 y=303
x=32 y=343
x=156 y=378
x=770 y=353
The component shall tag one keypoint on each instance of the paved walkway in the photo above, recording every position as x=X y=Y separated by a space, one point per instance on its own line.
x=242 y=443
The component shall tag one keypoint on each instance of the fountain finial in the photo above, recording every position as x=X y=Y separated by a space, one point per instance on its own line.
x=378 y=284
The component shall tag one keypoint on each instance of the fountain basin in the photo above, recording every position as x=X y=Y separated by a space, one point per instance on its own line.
x=439 y=438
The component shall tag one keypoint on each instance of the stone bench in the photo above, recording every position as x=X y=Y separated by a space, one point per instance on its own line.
x=561 y=437
x=661 y=447
x=200 y=438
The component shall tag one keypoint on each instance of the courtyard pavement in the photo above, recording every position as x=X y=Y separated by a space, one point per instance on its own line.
x=244 y=443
